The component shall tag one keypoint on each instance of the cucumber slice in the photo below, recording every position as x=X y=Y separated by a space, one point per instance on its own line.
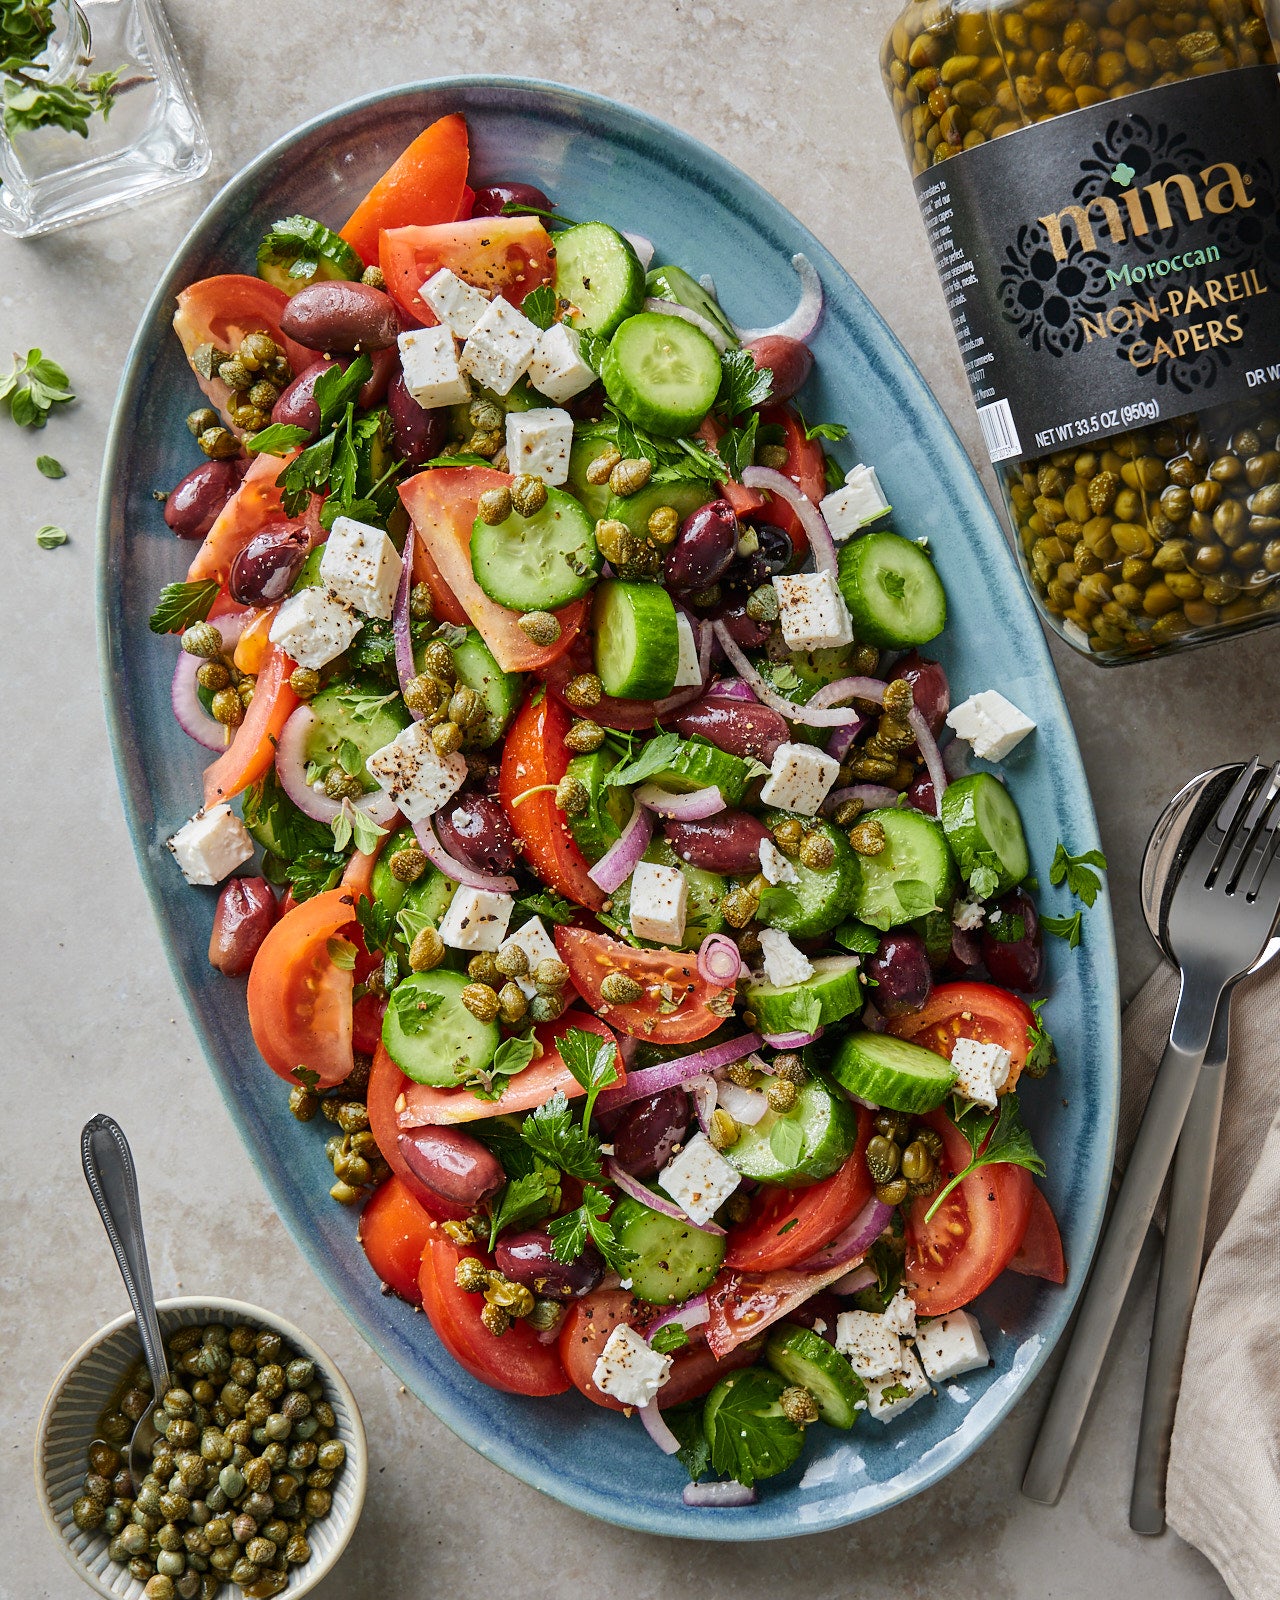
x=299 y=250
x=537 y=563
x=608 y=809
x=424 y=900
x=699 y=765
x=634 y=510
x=309 y=577
x=893 y=591
x=662 y=373
x=892 y=1072
x=817 y=901
x=835 y=985
x=430 y=1034
x=674 y=283
x=346 y=734
x=706 y=895
x=500 y=691
x=593 y=497
x=277 y=824
x=637 y=643
x=600 y=275
x=912 y=875
x=804 y=1145
x=984 y=829
x=802 y=1356
x=674 y=1260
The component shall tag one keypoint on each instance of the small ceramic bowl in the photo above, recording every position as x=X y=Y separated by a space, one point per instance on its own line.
x=69 y=1422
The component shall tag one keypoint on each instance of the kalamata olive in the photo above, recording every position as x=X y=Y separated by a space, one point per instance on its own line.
x=264 y=571
x=704 y=547
x=419 y=434
x=192 y=508
x=727 y=843
x=385 y=365
x=1012 y=944
x=789 y=360
x=819 y=1312
x=929 y=687
x=775 y=547
x=339 y=315
x=920 y=795
x=900 y=968
x=528 y=1258
x=476 y=830
x=745 y=632
x=489 y=201
x=742 y=727
x=645 y=1139
x=244 y=916
x=296 y=407
x=452 y=1164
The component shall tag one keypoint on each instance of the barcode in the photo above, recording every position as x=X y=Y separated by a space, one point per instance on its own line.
x=998 y=432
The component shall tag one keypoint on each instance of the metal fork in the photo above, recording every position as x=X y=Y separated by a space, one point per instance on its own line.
x=1220 y=917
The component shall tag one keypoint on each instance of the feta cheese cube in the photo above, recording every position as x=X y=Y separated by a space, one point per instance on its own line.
x=659 y=902
x=539 y=442
x=859 y=502
x=214 y=843
x=557 y=368
x=537 y=944
x=476 y=919
x=800 y=777
x=783 y=963
x=432 y=374
x=900 y=1315
x=699 y=1179
x=361 y=566
x=874 y=1350
x=950 y=1345
x=500 y=347
x=629 y=1368
x=968 y=915
x=774 y=865
x=458 y=305
x=886 y=1397
x=812 y=611
x=982 y=1070
x=991 y=724
x=313 y=626
x=416 y=777
x=688 y=672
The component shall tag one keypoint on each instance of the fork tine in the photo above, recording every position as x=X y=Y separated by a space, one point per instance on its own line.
x=1210 y=852
x=1265 y=867
x=1253 y=828
x=1229 y=810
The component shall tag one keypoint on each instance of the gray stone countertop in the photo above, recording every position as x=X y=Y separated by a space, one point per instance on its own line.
x=792 y=94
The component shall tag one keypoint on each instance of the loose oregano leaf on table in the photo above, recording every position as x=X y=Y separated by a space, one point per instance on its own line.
x=50 y=536
x=50 y=467
x=33 y=386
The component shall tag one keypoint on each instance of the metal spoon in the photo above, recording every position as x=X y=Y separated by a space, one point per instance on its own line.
x=108 y=1167
x=1192 y=1170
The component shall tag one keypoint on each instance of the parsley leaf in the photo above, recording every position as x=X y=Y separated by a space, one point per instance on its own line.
x=832 y=473
x=277 y=823
x=276 y=440
x=654 y=757
x=742 y=383
x=591 y=347
x=306 y=474
x=551 y=1132
x=1007 y=927
x=778 y=900
x=313 y=872
x=545 y=904
x=694 y=1454
x=835 y=431
x=539 y=305
x=750 y=1435
x=736 y=447
x=335 y=387
x=804 y=1013
x=592 y=1061
x=377 y=923
x=1077 y=873
x=50 y=467
x=984 y=879
x=858 y=937
x=415 y=1005
x=671 y=1337
x=995 y=1137
x=34 y=384
x=517 y=208
x=181 y=604
x=1041 y=1053
x=570 y=1233
x=527 y=1198
x=1068 y=928
x=308 y=1078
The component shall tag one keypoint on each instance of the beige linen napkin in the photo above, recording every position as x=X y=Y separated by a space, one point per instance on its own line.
x=1223 y=1491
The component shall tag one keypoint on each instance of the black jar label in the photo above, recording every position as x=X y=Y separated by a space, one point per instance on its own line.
x=1117 y=264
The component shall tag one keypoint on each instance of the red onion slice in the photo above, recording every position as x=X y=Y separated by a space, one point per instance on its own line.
x=188 y=710
x=821 y=543
x=718 y=959
x=804 y=319
x=291 y=769
x=669 y=308
x=703 y=1090
x=668 y=1208
x=657 y=1429
x=810 y=715
x=860 y=1278
x=675 y=702
x=730 y=689
x=965 y=947
x=747 y=1106
x=692 y=1314
x=648 y=1081
x=680 y=807
x=792 y=1041
x=405 y=667
x=856 y=1239
x=932 y=755
x=728 y=1493
x=841 y=741
x=831 y=694
x=955 y=759
x=460 y=871
x=872 y=795
x=618 y=862
x=643 y=247
x=873 y=1022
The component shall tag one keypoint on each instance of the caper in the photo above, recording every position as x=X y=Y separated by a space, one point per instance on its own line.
x=618 y=988
x=540 y=628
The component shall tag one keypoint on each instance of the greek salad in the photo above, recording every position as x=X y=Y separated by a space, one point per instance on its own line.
x=583 y=823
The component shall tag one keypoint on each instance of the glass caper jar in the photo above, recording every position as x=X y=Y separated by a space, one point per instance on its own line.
x=1135 y=540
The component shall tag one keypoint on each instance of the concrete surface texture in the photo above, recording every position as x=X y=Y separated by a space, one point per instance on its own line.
x=792 y=94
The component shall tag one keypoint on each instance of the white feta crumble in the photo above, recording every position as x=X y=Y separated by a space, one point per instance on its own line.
x=800 y=777
x=429 y=363
x=414 y=774
x=812 y=611
x=361 y=566
x=313 y=626
x=886 y=1397
x=874 y=1350
x=699 y=1179
x=991 y=724
x=688 y=672
x=659 y=902
x=629 y=1368
x=968 y=915
x=457 y=304
x=500 y=347
x=951 y=1345
x=981 y=1070
x=900 y=1315
x=476 y=919
x=774 y=865
x=784 y=964
x=537 y=944
x=214 y=843
x=860 y=501
x=557 y=368
x=539 y=442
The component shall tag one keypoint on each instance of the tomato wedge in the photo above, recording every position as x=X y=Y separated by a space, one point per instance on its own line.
x=220 y=311
x=532 y=1087
x=427 y=183
x=516 y=1363
x=534 y=756
x=394 y=1230
x=448 y=608
x=253 y=749
x=386 y=1085
x=974 y=1234
x=742 y=499
x=744 y=1304
x=299 y=1001
x=443 y=505
x=977 y=1011
x=1040 y=1253
x=254 y=504
x=786 y=1226
x=508 y=256
x=804 y=466
x=591 y=957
